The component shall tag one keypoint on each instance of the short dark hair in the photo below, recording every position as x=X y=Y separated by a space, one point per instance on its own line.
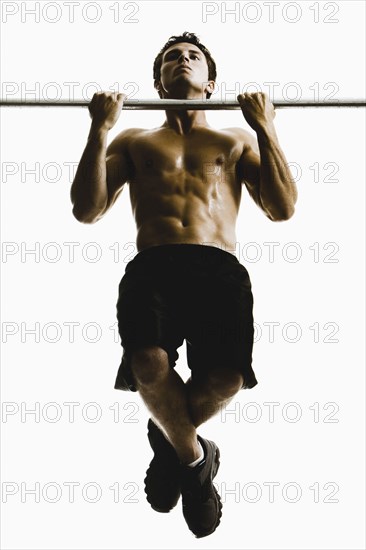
x=191 y=38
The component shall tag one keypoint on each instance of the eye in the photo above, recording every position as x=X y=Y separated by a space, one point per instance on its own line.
x=171 y=56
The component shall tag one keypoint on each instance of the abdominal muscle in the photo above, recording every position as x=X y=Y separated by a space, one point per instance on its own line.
x=167 y=218
x=184 y=188
x=171 y=231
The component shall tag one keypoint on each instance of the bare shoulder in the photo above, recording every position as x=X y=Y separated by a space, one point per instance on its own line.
x=248 y=140
x=123 y=139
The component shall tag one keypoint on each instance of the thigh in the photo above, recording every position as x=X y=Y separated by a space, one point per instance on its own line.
x=222 y=329
x=147 y=309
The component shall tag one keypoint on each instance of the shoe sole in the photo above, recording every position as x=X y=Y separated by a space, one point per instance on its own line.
x=219 y=515
x=148 y=471
x=216 y=465
x=161 y=510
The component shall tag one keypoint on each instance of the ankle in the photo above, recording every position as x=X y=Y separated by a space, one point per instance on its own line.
x=191 y=453
x=199 y=460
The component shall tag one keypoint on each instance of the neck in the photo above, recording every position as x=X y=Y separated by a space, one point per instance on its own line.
x=183 y=122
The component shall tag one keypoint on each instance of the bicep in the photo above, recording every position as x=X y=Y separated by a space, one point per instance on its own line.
x=117 y=175
x=249 y=170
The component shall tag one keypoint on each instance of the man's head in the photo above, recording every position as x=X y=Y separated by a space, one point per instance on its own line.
x=185 y=49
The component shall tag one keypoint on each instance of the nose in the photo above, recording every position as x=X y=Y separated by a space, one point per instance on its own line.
x=183 y=57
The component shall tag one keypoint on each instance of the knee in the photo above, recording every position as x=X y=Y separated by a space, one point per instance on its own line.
x=225 y=383
x=149 y=365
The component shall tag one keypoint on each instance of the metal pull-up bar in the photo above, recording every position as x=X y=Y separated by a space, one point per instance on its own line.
x=184 y=104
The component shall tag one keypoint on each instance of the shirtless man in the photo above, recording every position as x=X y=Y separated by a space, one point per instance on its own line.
x=185 y=282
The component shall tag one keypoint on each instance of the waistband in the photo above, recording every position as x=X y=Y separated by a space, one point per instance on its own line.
x=185 y=250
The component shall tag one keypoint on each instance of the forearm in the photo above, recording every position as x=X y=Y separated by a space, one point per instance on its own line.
x=89 y=192
x=278 y=191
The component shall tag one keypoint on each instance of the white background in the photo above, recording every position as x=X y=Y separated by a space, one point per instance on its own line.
x=299 y=447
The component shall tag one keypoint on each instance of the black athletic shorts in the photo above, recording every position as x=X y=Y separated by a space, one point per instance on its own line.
x=198 y=293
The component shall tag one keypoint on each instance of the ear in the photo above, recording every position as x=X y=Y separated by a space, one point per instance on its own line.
x=210 y=86
x=157 y=86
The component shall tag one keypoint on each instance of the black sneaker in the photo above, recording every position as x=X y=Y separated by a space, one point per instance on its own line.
x=162 y=481
x=201 y=502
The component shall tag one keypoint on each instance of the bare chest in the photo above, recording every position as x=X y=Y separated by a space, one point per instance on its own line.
x=201 y=156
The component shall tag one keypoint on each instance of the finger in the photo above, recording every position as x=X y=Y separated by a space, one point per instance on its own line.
x=94 y=98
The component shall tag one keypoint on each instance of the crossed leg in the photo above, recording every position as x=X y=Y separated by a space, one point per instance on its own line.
x=177 y=407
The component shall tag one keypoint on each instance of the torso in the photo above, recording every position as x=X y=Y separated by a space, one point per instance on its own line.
x=184 y=188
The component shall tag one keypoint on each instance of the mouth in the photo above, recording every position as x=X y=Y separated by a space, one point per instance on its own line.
x=182 y=68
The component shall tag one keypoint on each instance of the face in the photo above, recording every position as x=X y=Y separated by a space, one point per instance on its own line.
x=184 y=69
